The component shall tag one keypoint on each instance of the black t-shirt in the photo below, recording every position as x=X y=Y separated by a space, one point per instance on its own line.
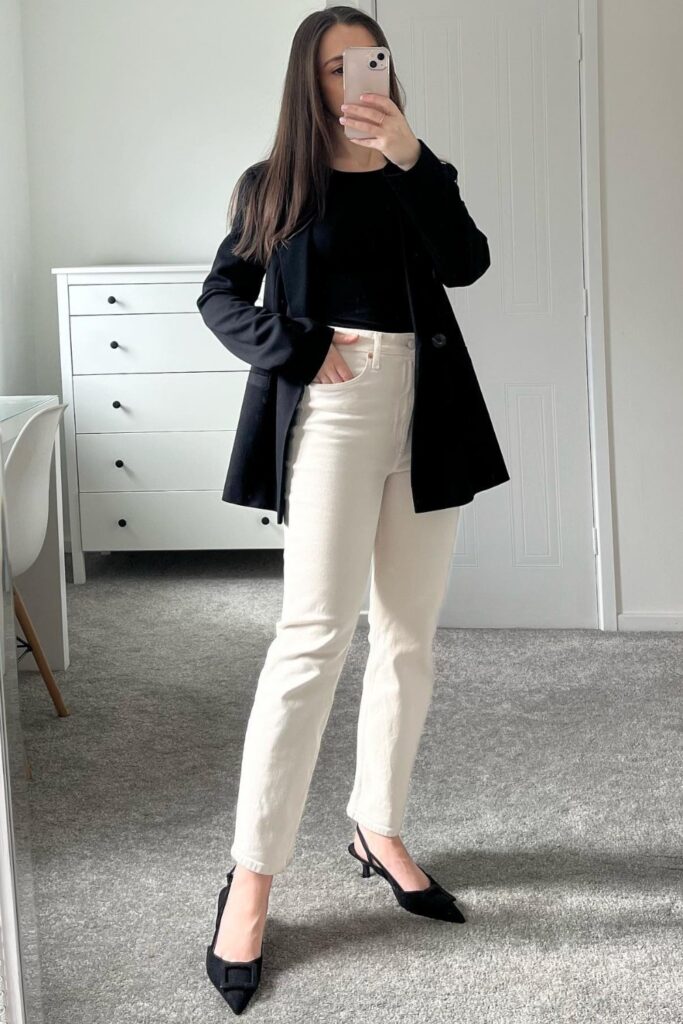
x=357 y=256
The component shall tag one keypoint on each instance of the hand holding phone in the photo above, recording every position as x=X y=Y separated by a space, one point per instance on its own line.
x=366 y=73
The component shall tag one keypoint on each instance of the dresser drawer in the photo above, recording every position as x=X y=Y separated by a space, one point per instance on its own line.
x=148 y=385
x=173 y=520
x=158 y=401
x=161 y=297
x=147 y=343
x=170 y=460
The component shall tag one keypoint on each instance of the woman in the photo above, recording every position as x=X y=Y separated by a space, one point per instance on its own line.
x=342 y=428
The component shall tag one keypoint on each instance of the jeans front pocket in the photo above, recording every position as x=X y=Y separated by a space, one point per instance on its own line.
x=350 y=357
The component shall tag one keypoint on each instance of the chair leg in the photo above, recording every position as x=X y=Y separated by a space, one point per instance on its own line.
x=37 y=651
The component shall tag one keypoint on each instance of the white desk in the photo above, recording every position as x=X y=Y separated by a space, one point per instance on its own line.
x=43 y=586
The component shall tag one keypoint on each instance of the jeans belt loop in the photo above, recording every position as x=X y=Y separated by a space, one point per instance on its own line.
x=376 y=349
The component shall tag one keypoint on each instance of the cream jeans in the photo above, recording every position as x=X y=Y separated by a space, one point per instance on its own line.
x=348 y=513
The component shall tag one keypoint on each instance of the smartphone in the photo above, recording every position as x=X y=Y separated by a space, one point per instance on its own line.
x=366 y=69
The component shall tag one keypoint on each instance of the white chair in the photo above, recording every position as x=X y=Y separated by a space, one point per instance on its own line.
x=27 y=487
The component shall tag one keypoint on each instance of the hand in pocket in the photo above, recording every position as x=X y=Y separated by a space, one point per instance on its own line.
x=335 y=370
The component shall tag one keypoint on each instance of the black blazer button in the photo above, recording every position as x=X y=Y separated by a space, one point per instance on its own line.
x=439 y=340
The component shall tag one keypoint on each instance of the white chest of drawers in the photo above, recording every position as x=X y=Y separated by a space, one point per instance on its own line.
x=153 y=402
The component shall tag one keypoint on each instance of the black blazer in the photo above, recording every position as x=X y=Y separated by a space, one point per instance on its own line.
x=455 y=452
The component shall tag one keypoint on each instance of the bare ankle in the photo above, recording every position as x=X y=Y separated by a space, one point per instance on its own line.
x=379 y=837
x=253 y=882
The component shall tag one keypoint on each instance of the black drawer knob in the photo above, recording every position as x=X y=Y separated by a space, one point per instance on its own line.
x=122 y=522
x=113 y=344
x=111 y=298
x=119 y=463
x=116 y=404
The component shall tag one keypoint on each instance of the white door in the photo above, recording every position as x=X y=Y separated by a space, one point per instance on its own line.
x=493 y=85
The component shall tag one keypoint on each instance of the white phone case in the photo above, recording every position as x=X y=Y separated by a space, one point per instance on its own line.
x=360 y=76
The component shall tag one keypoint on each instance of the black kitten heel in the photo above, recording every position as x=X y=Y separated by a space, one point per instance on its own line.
x=433 y=901
x=236 y=980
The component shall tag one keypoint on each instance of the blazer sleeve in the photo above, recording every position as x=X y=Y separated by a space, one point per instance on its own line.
x=429 y=192
x=294 y=347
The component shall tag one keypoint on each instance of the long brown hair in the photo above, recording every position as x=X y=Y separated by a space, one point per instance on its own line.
x=290 y=184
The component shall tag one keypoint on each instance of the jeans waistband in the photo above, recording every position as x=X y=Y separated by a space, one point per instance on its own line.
x=398 y=343
x=379 y=342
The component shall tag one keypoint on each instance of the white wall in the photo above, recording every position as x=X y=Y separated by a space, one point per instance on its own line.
x=141 y=116
x=17 y=362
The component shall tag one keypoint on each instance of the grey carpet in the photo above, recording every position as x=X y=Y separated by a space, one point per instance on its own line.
x=546 y=796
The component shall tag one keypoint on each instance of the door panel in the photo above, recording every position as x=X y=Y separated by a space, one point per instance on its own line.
x=494 y=87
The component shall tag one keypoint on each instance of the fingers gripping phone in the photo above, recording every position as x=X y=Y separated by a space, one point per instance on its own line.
x=366 y=69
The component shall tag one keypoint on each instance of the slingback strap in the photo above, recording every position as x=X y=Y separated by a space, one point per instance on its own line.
x=371 y=856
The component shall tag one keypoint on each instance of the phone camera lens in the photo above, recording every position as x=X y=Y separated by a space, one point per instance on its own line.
x=373 y=63
x=380 y=56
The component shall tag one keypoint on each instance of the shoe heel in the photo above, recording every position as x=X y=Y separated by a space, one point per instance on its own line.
x=366 y=866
